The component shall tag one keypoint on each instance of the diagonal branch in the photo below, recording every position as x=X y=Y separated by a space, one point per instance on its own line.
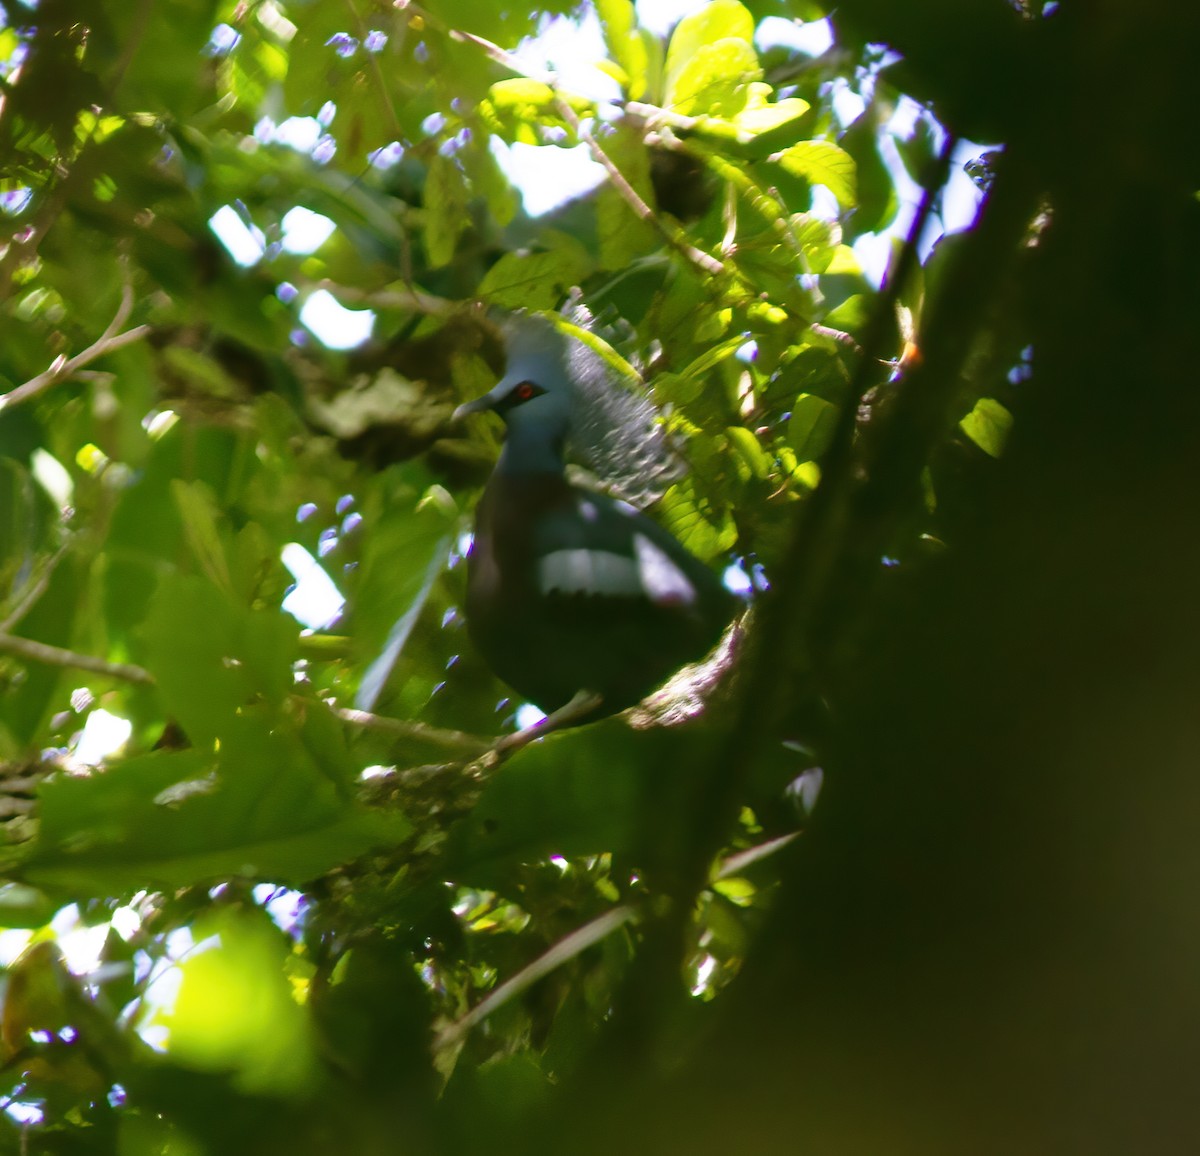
x=470 y=745
x=674 y=236
x=63 y=367
x=563 y=951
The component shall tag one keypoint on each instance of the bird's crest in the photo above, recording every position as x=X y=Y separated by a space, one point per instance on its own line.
x=615 y=431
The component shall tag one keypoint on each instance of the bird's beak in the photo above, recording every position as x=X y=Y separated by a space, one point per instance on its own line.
x=488 y=401
x=468 y=407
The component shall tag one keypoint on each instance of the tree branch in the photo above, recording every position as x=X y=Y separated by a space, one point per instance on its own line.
x=62 y=367
x=56 y=656
x=375 y=71
x=471 y=745
x=563 y=951
x=414 y=299
x=25 y=598
x=674 y=237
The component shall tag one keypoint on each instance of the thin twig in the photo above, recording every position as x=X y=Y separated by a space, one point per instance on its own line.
x=838 y=335
x=580 y=706
x=376 y=71
x=675 y=237
x=737 y=863
x=562 y=952
x=413 y=299
x=33 y=590
x=56 y=656
x=503 y=56
x=62 y=368
x=402 y=729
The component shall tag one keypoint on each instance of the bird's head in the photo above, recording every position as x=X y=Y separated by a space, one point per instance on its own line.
x=560 y=394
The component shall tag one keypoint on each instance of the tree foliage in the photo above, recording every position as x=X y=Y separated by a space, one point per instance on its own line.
x=325 y=907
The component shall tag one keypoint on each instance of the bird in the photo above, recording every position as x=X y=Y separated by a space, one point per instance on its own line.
x=574 y=594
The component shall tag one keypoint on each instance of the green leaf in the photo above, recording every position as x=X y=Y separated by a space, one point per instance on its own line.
x=876 y=191
x=198 y=510
x=821 y=162
x=489 y=181
x=582 y=792
x=235 y=1012
x=406 y=552
x=24 y=906
x=811 y=427
x=751 y=457
x=160 y=75
x=711 y=61
x=618 y=21
x=764 y=118
x=703 y=528
x=534 y=280
x=716 y=21
x=210 y=655
x=851 y=315
x=445 y=204
x=519 y=91
x=818 y=238
x=988 y=426
x=25 y=706
x=199 y=680
x=624 y=236
x=714 y=81
x=262 y=807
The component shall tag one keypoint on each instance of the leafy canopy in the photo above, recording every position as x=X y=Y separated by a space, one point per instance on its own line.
x=296 y=828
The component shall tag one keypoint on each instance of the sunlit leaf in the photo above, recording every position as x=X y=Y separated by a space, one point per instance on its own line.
x=703 y=528
x=235 y=1011
x=626 y=46
x=988 y=426
x=811 y=427
x=822 y=163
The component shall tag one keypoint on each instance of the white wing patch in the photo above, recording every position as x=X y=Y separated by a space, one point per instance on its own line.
x=589 y=572
x=663 y=581
x=649 y=574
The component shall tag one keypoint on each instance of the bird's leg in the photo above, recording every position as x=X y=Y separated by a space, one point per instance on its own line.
x=581 y=705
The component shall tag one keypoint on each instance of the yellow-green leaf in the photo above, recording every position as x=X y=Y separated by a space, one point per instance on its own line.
x=625 y=44
x=711 y=61
x=766 y=117
x=821 y=162
x=749 y=453
x=988 y=426
x=714 y=80
x=520 y=90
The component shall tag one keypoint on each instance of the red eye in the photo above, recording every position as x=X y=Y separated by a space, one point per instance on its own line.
x=525 y=391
